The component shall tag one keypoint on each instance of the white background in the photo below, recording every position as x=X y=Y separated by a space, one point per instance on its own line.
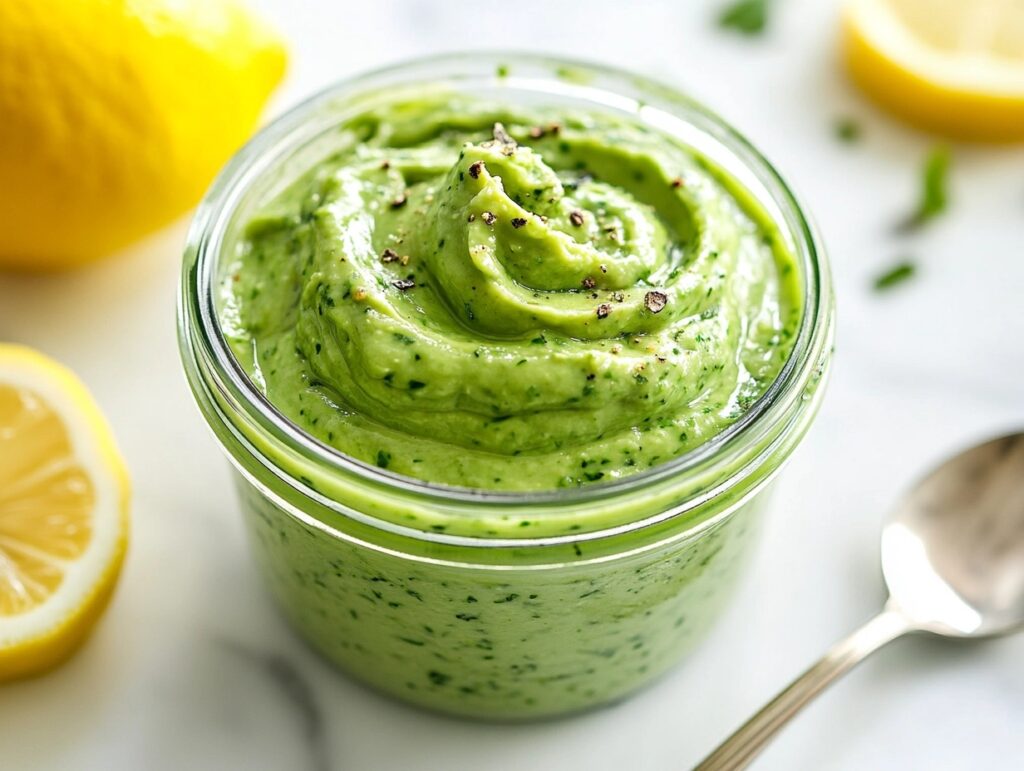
x=919 y=371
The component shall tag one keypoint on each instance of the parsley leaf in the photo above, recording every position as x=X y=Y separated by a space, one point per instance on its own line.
x=895 y=275
x=748 y=17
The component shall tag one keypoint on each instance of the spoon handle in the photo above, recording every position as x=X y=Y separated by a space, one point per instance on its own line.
x=743 y=746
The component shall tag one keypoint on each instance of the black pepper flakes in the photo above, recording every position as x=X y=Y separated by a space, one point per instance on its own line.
x=385 y=165
x=603 y=310
x=518 y=222
x=501 y=135
x=576 y=217
x=589 y=283
x=403 y=284
x=389 y=255
x=604 y=268
x=470 y=218
x=655 y=301
x=475 y=169
x=488 y=217
x=677 y=182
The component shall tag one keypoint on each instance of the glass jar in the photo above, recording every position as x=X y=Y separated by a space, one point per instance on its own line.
x=494 y=604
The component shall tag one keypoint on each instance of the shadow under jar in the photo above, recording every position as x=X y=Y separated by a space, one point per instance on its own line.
x=551 y=590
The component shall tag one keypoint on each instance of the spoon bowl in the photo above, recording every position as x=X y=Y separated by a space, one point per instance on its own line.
x=953 y=549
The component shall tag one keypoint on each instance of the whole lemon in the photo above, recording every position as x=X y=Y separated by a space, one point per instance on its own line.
x=115 y=115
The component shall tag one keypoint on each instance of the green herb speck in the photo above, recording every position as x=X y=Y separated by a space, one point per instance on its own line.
x=933 y=197
x=847 y=130
x=749 y=17
x=895 y=275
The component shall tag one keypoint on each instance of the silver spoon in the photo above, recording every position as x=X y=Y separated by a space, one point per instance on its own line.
x=953 y=559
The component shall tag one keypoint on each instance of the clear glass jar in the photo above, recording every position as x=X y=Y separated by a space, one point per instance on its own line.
x=432 y=593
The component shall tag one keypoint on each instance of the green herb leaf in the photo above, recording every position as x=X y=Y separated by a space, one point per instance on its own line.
x=934 y=199
x=895 y=275
x=847 y=130
x=746 y=16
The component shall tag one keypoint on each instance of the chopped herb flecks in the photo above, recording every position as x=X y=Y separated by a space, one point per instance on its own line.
x=748 y=17
x=895 y=275
x=847 y=130
x=933 y=197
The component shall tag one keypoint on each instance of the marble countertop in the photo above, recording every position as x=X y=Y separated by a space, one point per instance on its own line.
x=193 y=668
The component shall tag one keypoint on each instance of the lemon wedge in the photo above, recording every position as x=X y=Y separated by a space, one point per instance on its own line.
x=954 y=67
x=63 y=513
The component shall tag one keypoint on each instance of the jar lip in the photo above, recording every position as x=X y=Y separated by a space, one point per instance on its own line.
x=294 y=128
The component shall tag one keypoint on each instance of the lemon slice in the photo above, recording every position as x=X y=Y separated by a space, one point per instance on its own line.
x=955 y=67
x=63 y=513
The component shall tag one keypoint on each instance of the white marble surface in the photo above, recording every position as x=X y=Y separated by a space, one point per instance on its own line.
x=918 y=372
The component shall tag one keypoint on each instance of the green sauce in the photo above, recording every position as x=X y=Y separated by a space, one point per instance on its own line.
x=477 y=296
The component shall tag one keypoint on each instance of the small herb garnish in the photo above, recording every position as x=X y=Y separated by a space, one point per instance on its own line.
x=847 y=130
x=603 y=310
x=749 y=17
x=895 y=275
x=438 y=678
x=383 y=458
x=576 y=217
x=518 y=222
x=933 y=200
x=403 y=284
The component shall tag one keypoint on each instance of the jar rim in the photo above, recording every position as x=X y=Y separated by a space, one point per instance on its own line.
x=295 y=128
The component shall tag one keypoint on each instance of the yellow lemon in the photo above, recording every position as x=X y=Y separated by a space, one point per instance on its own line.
x=63 y=513
x=955 y=67
x=115 y=115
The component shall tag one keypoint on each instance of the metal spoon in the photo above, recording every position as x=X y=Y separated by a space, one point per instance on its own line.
x=953 y=559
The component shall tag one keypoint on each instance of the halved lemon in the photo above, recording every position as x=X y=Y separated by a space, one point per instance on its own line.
x=63 y=513
x=955 y=67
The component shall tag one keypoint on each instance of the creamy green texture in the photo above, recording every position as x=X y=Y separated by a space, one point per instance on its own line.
x=479 y=296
